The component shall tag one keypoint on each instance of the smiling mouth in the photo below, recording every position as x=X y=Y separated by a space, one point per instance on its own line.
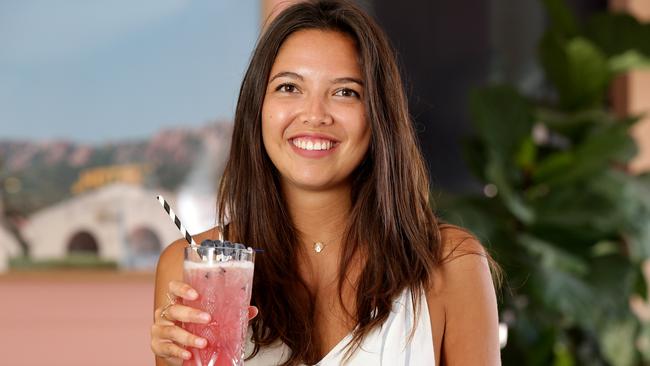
x=313 y=144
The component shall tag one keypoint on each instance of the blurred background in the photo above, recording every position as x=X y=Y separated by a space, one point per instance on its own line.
x=530 y=113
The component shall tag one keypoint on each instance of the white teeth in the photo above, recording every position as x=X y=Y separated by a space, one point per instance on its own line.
x=311 y=145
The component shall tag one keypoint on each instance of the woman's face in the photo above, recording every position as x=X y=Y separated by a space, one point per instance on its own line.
x=314 y=124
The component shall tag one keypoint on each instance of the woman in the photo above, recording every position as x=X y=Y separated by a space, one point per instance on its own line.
x=326 y=177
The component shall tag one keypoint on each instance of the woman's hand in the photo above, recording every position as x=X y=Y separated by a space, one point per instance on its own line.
x=168 y=339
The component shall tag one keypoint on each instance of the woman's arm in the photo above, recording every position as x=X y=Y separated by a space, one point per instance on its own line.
x=471 y=330
x=169 y=268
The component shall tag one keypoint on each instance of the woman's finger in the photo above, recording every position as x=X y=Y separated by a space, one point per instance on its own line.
x=179 y=336
x=170 y=350
x=252 y=312
x=186 y=314
x=183 y=290
x=163 y=320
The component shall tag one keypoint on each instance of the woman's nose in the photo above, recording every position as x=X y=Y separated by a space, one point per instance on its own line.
x=316 y=112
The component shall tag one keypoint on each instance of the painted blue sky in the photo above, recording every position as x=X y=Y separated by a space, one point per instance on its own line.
x=95 y=71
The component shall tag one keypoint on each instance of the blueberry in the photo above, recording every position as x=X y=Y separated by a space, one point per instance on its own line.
x=221 y=244
x=211 y=243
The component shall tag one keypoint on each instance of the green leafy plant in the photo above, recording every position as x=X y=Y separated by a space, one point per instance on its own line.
x=569 y=224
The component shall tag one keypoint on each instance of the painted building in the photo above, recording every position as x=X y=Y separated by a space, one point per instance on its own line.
x=119 y=222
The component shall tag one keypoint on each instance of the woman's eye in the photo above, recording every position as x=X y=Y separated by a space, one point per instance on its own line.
x=286 y=88
x=346 y=93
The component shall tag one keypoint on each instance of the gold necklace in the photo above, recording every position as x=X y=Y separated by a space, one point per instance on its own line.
x=319 y=246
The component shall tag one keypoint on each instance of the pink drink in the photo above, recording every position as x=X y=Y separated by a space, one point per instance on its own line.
x=224 y=292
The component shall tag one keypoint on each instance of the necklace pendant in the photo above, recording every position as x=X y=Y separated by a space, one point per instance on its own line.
x=318 y=247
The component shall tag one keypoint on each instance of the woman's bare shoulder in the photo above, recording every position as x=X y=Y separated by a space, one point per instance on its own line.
x=467 y=297
x=170 y=263
x=463 y=259
x=457 y=241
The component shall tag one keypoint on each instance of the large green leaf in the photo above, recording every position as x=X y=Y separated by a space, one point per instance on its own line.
x=502 y=118
x=629 y=60
x=526 y=154
x=573 y=125
x=474 y=213
x=563 y=355
x=609 y=143
x=552 y=257
x=597 y=151
x=639 y=186
x=587 y=212
x=566 y=294
x=613 y=282
x=617 y=34
x=579 y=240
x=577 y=68
x=555 y=60
x=511 y=199
x=635 y=206
x=617 y=339
x=554 y=167
x=562 y=21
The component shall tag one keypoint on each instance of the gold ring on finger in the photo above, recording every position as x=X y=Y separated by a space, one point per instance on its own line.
x=171 y=301
x=163 y=312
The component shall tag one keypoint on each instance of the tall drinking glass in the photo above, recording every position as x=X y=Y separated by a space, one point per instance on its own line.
x=222 y=275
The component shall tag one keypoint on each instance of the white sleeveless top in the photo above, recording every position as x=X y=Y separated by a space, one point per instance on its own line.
x=385 y=346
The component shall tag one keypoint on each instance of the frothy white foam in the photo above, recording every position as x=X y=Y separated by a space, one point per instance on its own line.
x=229 y=264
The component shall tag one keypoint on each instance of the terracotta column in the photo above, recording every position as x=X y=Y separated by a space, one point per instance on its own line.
x=631 y=92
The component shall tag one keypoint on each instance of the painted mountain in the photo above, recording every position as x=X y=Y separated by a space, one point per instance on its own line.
x=34 y=175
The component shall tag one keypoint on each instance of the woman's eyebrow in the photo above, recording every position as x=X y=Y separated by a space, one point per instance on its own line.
x=288 y=74
x=294 y=75
x=347 y=80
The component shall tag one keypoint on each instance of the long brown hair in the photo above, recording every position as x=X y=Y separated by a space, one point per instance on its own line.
x=391 y=221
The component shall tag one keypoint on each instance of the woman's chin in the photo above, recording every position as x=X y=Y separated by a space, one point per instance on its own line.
x=314 y=184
